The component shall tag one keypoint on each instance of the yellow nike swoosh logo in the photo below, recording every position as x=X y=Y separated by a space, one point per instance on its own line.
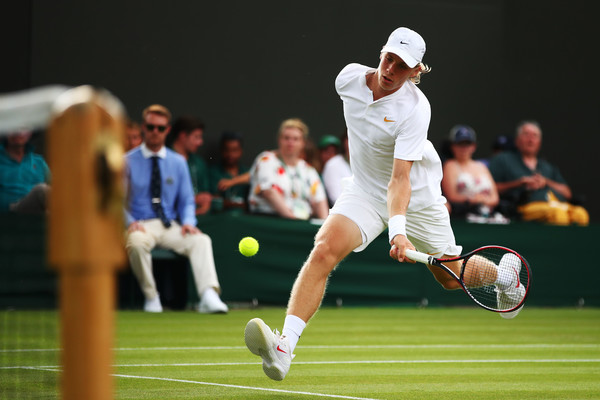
x=388 y=120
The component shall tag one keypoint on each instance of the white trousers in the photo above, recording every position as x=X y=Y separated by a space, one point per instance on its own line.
x=197 y=247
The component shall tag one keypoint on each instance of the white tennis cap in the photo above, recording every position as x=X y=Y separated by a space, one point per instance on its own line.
x=406 y=44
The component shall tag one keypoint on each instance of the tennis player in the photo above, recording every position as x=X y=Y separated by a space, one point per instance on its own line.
x=395 y=184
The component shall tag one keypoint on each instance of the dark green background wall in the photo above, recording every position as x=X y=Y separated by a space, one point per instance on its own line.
x=247 y=65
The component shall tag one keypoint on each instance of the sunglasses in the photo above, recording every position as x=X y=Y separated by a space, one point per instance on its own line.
x=151 y=127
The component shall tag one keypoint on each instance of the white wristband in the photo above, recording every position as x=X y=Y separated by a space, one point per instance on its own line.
x=397 y=226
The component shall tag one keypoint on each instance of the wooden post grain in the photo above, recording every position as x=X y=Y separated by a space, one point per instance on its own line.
x=85 y=235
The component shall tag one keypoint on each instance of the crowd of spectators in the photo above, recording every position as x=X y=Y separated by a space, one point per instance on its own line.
x=302 y=177
x=299 y=179
x=513 y=183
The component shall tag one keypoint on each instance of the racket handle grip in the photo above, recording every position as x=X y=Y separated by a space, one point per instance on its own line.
x=417 y=256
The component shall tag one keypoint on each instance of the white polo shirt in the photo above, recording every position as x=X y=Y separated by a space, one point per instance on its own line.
x=394 y=126
x=334 y=171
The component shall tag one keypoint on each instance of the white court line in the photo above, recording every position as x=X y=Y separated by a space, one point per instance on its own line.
x=383 y=346
x=334 y=396
x=468 y=361
x=324 y=395
x=585 y=360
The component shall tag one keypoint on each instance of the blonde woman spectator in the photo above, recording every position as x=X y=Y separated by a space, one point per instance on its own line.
x=283 y=183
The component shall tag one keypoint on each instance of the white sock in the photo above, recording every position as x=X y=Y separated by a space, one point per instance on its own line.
x=292 y=329
x=503 y=281
x=505 y=273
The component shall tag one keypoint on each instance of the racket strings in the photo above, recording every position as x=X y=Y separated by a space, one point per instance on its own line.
x=495 y=278
x=478 y=272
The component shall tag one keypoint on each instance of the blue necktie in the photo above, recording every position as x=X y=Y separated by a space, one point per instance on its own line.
x=155 y=189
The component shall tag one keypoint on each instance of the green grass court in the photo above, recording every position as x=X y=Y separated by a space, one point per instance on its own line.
x=345 y=353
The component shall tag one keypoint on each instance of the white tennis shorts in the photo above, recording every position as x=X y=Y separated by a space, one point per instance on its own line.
x=429 y=229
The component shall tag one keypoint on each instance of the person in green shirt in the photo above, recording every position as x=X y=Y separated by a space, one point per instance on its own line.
x=229 y=179
x=187 y=135
x=524 y=176
x=533 y=185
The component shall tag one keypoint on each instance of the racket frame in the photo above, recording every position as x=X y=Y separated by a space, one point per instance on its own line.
x=439 y=262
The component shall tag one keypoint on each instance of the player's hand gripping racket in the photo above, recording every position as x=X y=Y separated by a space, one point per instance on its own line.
x=494 y=277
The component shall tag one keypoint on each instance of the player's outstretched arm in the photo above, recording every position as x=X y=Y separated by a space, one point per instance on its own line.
x=398 y=197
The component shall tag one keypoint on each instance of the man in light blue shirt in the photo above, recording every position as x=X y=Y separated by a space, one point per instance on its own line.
x=176 y=189
x=161 y=212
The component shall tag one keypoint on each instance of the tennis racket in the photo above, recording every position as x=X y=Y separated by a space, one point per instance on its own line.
x=494 y=277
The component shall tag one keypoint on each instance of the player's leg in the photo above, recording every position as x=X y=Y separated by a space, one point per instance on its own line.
x=480 y=271
x=353 y=222
x=510 y=291
x=340 y=234
x=139 y=244
x=443 y=278
x=335 y=240
x=429 y=230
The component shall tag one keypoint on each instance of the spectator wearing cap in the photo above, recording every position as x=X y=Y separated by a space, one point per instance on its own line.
x=335 y=166
x=467 y=183
x=501 y=143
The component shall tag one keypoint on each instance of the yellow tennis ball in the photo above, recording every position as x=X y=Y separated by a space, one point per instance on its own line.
x=248 y=246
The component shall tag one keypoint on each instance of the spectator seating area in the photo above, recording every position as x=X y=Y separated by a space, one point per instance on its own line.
x=557 y=256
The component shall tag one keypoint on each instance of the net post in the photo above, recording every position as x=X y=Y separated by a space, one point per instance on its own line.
x=85 y=234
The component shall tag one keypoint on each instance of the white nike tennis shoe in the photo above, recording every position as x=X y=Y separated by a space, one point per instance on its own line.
x=274 y=349
x=514 y=293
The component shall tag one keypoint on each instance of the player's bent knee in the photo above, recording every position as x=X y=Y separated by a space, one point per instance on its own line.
x=321 y=250
x=324 y=254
